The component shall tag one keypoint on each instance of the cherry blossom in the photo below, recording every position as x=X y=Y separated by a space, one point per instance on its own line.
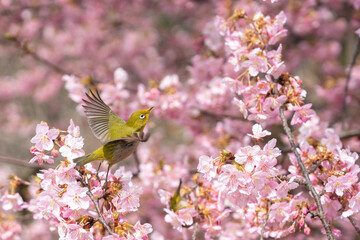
x=73 y=147
x=44 y=137
x=258 y=132
x=41 y=158
x=12 y=202
x=249 y=156
x=302 y=114
x=337 y=185
x=75 y=197
x=207 y=167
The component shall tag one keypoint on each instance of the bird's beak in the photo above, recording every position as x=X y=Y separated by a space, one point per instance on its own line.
x=149 y=110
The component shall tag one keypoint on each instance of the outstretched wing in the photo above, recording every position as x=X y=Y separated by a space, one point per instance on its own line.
x=100 y=116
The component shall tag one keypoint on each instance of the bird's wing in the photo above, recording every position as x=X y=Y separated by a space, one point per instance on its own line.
x=100 y=116
x=130 y=139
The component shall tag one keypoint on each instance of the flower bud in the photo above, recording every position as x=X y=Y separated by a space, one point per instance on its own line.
x=313 y=207
x=54 y=152
x=313 y=178
x=306 y=230
x=295 y=215
x=304 y=210
x=33 y=150
x=292 y=228
x=301 y=222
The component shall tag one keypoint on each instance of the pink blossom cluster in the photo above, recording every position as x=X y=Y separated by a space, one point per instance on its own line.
x=10 y=203
x=61 y=196
x=247 y=40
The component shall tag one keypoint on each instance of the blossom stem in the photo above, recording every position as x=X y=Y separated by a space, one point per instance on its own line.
x=195 y=231
x=220 y=116
x=351 y=219
x=350 y=134
x=97 y=207
x=20 y=162
x=12 y=11
x=38 y=58
x=348 y=76
x=34 y=55
x=266 y=219
x=137 y=162
x=305 y=172
x=286 y=178
x=313 y=167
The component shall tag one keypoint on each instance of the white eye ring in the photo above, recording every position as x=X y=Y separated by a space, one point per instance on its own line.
x=142 y=116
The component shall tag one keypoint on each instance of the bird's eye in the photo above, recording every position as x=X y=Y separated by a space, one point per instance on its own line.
x=142 y=116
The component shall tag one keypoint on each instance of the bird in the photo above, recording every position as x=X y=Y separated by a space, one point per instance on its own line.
x=119 y=138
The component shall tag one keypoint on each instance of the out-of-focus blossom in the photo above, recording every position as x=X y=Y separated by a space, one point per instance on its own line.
x=169 y=82
x=206 y=167
x=12 y=202
x=75 y=88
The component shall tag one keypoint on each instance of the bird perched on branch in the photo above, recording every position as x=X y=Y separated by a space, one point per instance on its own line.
x=119 y=138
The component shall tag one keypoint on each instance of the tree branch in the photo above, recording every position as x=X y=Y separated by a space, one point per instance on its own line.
x=266 y=219
x=351 y=219
x=137 y=162
x=20 y=162
x=96 y=203
x=348 y=76
x=305 y=172
x=350 y=134
x=24 y=46
x=219 y=116
x=195 y=231
x=286 y=178
x=313 y=168
x=12 y=11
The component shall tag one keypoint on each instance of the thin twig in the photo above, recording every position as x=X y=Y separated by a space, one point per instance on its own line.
x=20 y=162
x=266 y=219
x=298 y=181
x=305 y=172
x=96 y=203
x=220 y=116
x=350 y=134
x=195 y=231
x=25 y=47
x=351 y=219
x=12 y=11
x=314 y=214
x=348 y=76
x=313 y=168
x=137 y=161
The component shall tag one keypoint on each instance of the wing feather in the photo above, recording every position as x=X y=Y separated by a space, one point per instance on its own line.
x=99 y=115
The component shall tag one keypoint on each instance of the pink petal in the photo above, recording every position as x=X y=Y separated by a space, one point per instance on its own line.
x=53 y=133
x=42 y=129
x=47 y=144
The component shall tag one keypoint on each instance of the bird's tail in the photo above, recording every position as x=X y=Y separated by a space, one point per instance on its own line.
x=96 y=155
x=81 y=161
